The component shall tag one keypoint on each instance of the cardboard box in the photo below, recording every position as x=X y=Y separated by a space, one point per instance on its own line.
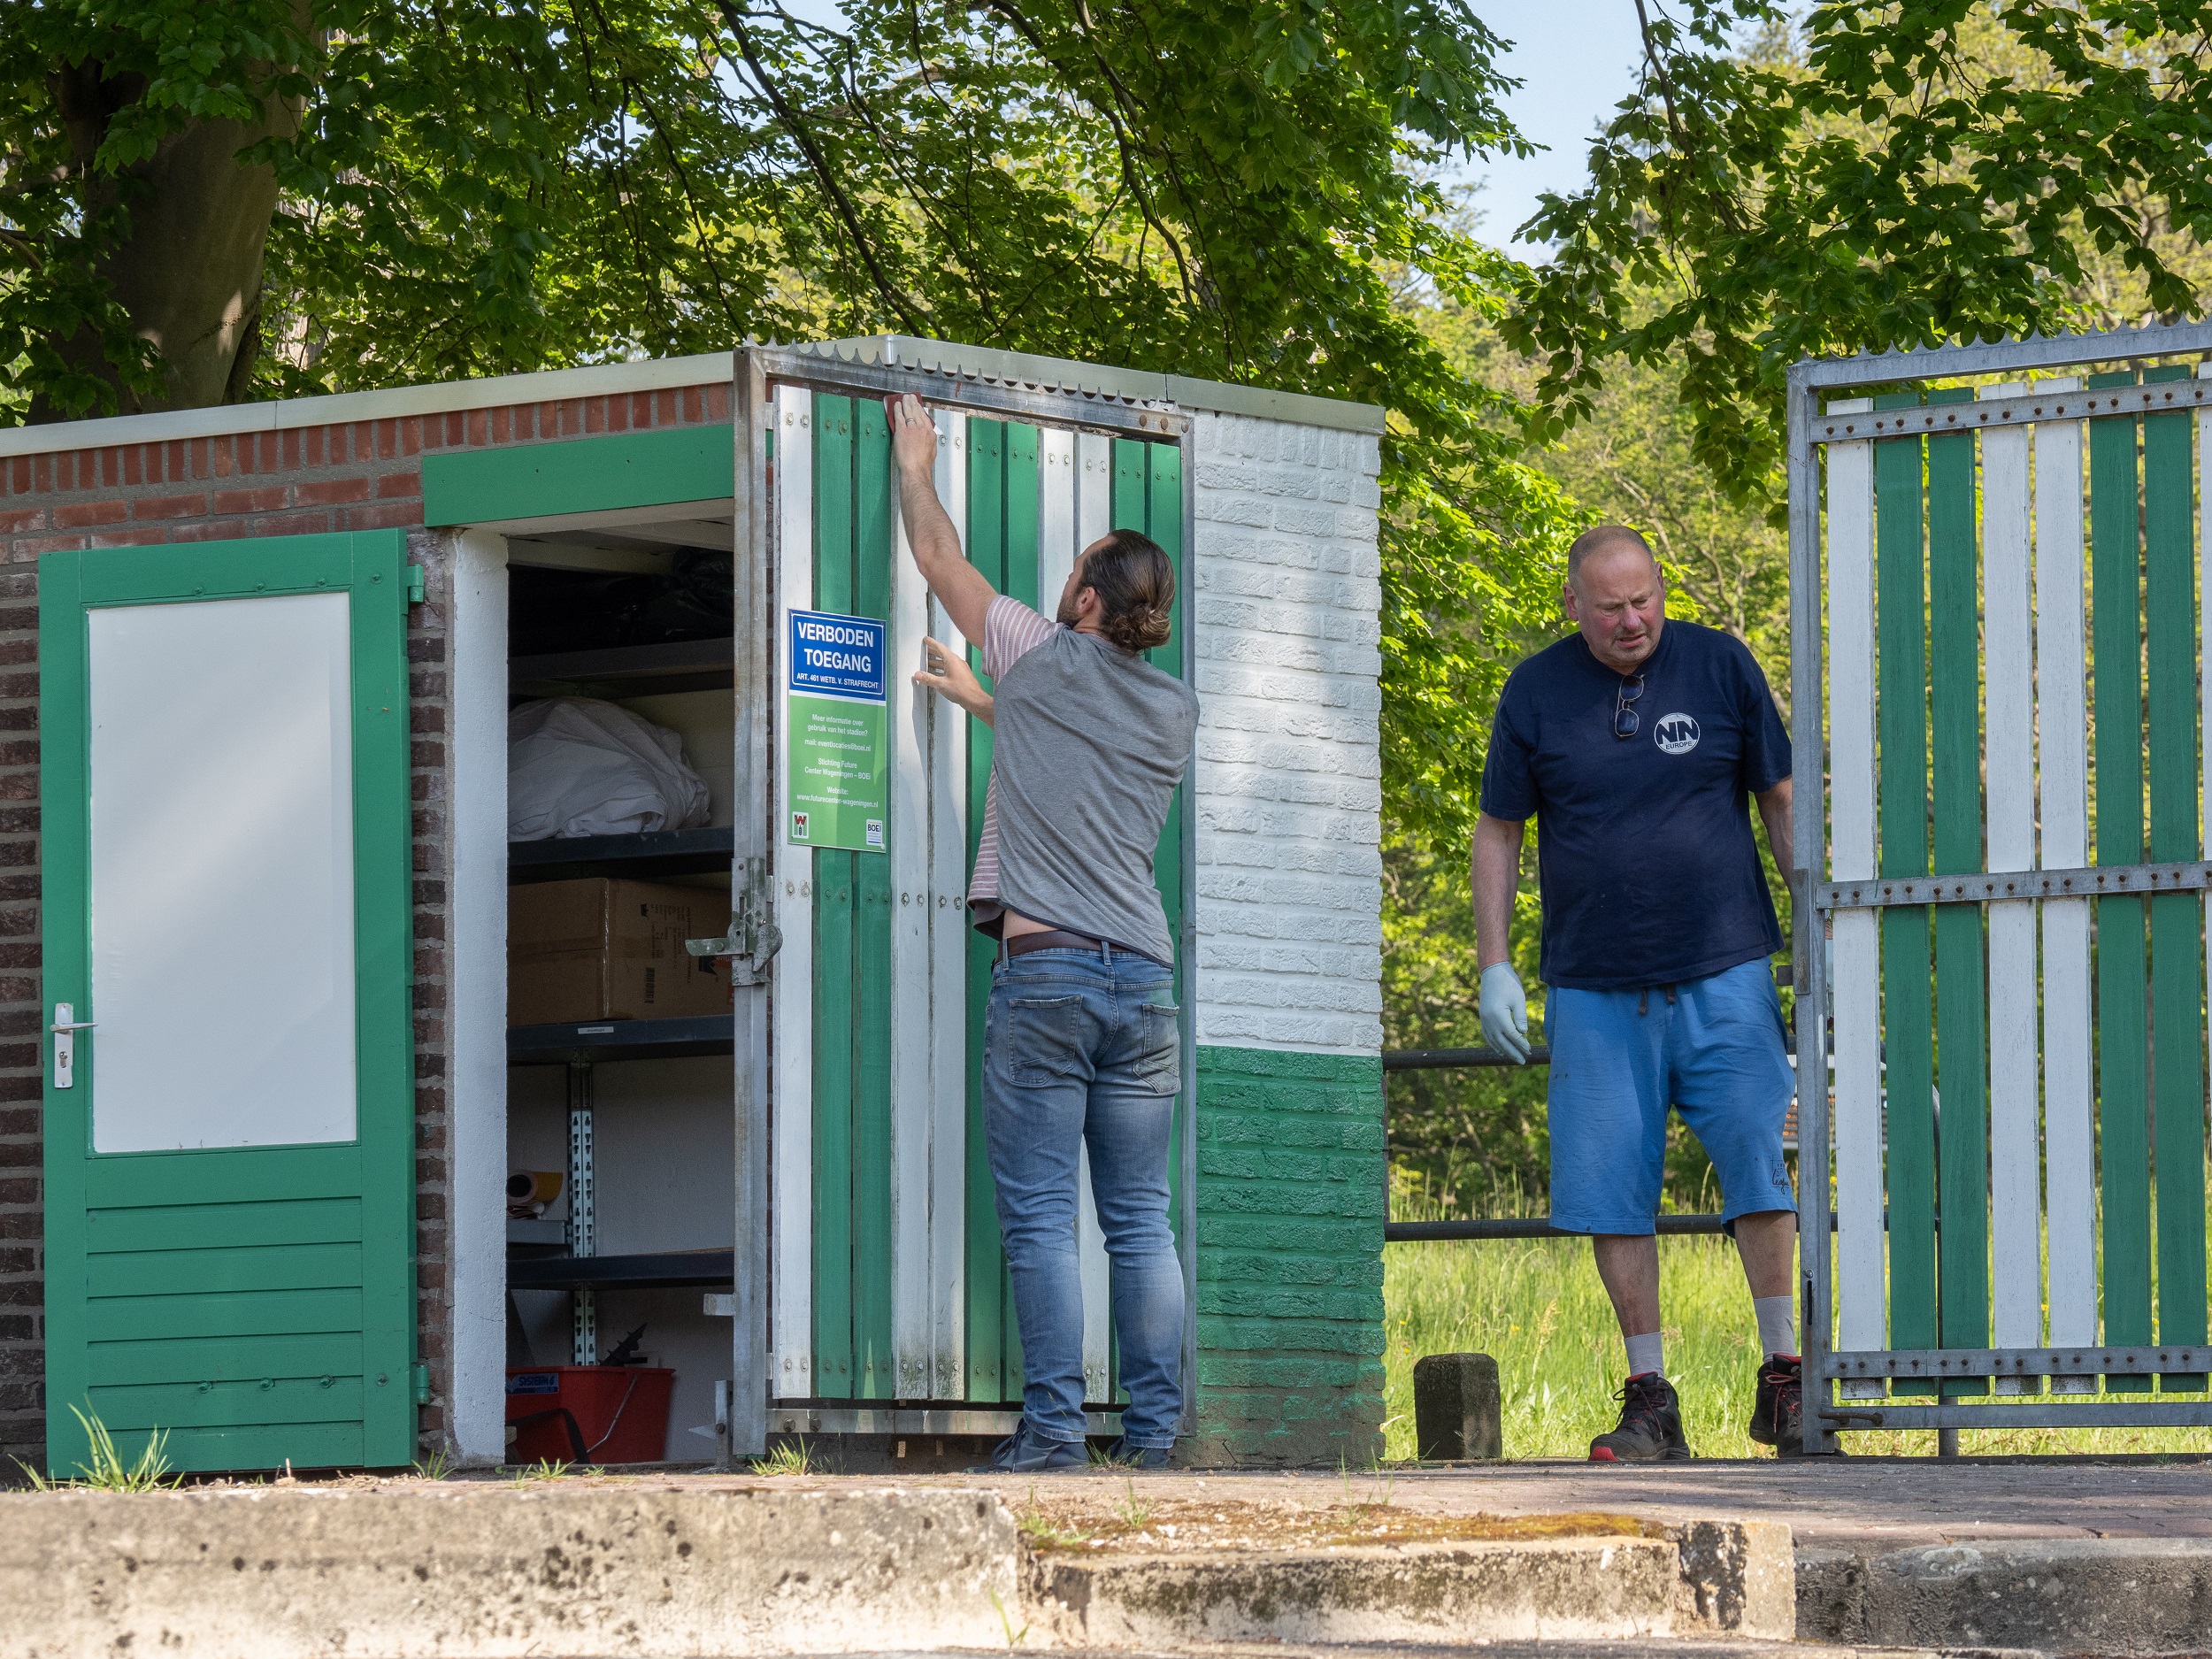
x=604 y=949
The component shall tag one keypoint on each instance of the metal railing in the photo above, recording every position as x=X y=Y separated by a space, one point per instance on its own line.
x=1509 y=1227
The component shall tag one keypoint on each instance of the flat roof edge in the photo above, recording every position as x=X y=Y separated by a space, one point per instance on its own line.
x=440 y=397
x=663 y=373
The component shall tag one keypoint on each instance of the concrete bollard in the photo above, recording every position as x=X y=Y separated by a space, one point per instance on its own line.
x=1455 y=1408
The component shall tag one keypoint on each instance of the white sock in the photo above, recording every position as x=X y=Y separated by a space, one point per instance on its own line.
x=1645 y=1352
x=1778 y=1324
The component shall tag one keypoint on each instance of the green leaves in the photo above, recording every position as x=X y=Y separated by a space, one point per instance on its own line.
x=477 y=187
x=1918 y=172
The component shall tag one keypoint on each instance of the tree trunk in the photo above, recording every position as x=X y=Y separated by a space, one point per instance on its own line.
x=189 y=272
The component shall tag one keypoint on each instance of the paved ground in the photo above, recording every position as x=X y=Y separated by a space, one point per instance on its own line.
x=1884 y=1502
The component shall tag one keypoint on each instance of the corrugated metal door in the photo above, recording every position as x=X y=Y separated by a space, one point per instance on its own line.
x=890 y=1282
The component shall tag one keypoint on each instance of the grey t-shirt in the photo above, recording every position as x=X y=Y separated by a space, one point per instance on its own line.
x=1088 y=745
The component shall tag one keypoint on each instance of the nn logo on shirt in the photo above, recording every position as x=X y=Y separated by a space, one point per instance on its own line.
x=1675 y=733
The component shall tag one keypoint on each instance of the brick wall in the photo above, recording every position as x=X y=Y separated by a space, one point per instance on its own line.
x=22 y=1391
x=1290 y=1214
x=303 y=479
x=1286 y=585
x=1287 y=592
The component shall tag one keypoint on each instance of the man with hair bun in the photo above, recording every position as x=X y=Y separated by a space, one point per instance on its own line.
x=1081 y=1045
x=1634 y=741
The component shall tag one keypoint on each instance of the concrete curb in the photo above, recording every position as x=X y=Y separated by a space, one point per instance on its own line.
x=479 y=1571
x=1705 y=1579
x=2102 y=1595
x=1584 y=1588
x=463 y=1571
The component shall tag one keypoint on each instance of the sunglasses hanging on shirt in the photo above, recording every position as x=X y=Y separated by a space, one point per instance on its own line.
x=1626 y=720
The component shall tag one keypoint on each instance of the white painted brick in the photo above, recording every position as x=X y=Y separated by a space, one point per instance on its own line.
x=1315 y=723
x=1352 y=964
x=1285 y=601
x=1283 y=650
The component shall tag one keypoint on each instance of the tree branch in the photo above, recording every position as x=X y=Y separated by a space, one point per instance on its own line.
x=840 y=202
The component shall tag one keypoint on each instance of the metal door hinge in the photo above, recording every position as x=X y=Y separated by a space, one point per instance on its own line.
x=417 y=585
x=422 y=1383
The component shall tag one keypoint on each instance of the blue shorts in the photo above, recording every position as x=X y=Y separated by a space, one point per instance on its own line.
x=1712 y=1048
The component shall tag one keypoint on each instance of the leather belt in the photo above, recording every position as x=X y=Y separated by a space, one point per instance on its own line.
x=1060 y=939
x=1054 y=939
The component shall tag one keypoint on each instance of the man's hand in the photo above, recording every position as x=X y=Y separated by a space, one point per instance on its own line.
x=1505 y=1012
x=913 y=434
x=949 y=676
x=963 y=590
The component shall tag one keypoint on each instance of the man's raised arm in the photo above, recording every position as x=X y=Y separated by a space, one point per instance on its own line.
x=959 y=586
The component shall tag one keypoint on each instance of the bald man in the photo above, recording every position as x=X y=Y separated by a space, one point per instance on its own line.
x=1635 y=742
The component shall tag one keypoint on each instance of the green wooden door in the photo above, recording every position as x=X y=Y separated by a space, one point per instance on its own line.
x=229 y=1153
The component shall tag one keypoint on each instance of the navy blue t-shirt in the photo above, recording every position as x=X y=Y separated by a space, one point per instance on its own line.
x=1644 y=848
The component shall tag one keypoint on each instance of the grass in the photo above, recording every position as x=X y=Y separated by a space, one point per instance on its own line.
x=1535 y=1305
x=787 y=1457
x=107 y=1470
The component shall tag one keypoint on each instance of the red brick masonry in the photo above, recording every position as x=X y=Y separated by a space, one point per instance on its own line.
x=361 y=475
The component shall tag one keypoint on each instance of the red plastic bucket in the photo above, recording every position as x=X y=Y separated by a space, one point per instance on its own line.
x=589 y=1414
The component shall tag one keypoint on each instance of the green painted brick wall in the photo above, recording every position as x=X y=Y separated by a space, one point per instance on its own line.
x=1291 y=1158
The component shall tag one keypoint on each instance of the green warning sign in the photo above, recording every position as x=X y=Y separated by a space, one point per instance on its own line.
x=838 y=785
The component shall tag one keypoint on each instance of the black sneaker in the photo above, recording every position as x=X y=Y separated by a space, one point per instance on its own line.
x=1778 y=1411
x=1650 y=1431
x=1121 y=1454
x=1026 y=1452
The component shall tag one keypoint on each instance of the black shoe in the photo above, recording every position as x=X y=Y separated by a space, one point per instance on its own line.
x=1026 y=1452
x=1778 y=1411
x=1650 y=1431
x=1121 y=1454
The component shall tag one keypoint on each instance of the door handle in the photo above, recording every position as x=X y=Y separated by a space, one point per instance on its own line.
x=66 y=1027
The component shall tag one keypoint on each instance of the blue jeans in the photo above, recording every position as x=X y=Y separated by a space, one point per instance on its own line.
x=1081 y=1050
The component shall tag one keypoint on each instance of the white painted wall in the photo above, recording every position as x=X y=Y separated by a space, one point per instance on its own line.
x=477 y=914
x=1286 y=590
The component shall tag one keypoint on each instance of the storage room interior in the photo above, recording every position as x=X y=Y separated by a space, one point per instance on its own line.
x=637 y=616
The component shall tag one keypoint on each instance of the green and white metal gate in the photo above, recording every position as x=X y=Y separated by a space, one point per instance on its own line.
x=1997 y=592
x=229 y=1090
x=888 y=1280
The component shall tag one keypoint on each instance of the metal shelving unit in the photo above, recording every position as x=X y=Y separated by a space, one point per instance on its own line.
x=599 y=1041
x=660 y=1270
x=627 y=671
x=649 y=857
x=618 y=671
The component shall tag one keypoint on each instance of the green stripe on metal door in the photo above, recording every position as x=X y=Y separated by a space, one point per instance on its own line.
x=1961 y=1032
x=2121 y=1018
x=230 y=1190
x=1901 y=721
x=2176 y=918
x=853 y=550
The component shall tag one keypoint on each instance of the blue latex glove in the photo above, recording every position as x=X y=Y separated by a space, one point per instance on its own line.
x=1505 y=1012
